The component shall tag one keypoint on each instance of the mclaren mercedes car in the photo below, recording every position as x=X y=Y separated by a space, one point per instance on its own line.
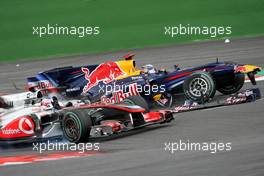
x=28 y=117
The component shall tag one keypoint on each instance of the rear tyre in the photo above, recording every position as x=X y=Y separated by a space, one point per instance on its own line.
x=235 y=86
x=199 y=87
x=76 y=126
x=137 y=100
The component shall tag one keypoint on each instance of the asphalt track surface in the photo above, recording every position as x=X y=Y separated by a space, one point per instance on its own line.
x=142 y=152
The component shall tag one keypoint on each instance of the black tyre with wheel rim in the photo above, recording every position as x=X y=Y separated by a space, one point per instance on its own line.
x=235 y=84
x=76 y=125
x=137 y=100
x=199 y=87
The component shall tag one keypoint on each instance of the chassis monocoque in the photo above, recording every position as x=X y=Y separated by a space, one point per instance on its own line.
x=195 y=83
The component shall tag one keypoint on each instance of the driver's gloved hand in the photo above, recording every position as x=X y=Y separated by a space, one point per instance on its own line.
x=55 y=103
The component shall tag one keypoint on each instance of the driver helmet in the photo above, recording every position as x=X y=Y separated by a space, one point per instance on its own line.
x=46 y=104
x=149 y=69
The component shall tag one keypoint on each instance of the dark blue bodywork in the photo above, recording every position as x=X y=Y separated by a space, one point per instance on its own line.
x=70 y=81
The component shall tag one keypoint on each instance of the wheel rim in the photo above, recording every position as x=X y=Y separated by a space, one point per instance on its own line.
x=72 y=129
x=197 y=86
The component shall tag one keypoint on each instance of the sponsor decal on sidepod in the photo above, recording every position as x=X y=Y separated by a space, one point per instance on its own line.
x=120 y=95
x=21 y=127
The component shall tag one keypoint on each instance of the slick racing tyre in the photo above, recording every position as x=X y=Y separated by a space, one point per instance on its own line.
x=76 y=126
x=137 y=100
x=236 y=84
x=199 y=87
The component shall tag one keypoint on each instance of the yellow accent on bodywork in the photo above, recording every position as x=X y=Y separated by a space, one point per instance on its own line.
x=250 y=68
x=129 y=67
x=157 y=97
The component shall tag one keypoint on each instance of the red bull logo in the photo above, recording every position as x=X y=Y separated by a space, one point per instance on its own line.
x=105 y=72
x=247 y=69
x=240 y=69
x=120 y=96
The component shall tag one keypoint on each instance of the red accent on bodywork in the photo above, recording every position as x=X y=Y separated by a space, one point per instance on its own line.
x=78 y=71
x=37 y=158
x=110 y=106
x=241 y=69
x=115 y=125
x=128 y=56
x=178 y=76
x=152 y=116
x=20 y=127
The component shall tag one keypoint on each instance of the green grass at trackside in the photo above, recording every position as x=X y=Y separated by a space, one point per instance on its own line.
x=124 y=23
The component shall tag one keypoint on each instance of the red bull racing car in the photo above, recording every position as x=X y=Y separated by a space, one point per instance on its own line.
x=112 y=82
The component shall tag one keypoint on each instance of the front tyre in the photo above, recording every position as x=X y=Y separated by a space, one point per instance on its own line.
x=76 y=126
x=235 y=85
x=199 y=87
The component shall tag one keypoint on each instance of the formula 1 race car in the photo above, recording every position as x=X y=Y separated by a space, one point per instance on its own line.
x=29 y=117
x=26 y=116
x=112 y=82
x=81 y=123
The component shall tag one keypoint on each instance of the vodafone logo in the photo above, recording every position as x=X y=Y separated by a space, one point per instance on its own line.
x=10 y=131
x=26 y=126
